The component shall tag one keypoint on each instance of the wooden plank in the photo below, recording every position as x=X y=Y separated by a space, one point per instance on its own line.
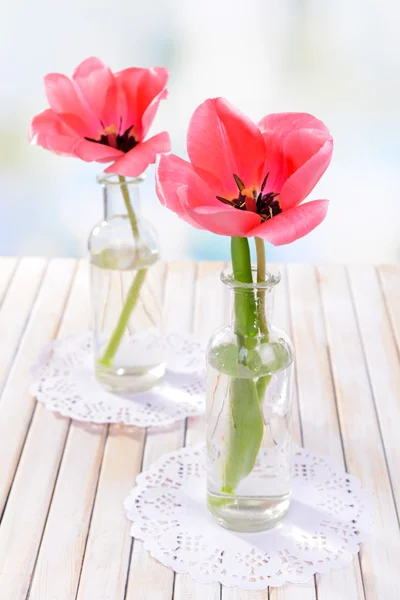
x=282 y=319
x=390 y=281
x=60 y=558
x=16 y=404
x=59 y=562
x=26 y=512
x=321 y=431
x=147 y=577
x=16 y=307
x=108 y=547
x=383 y=362
x=210 y=312
x=360 y=430
x=236 y=594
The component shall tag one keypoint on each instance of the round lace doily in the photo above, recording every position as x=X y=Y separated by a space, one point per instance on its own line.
x=328 y=518
x=65 y=383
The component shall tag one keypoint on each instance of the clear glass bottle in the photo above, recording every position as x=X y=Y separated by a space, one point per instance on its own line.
x=249 y=396
x=127 y=291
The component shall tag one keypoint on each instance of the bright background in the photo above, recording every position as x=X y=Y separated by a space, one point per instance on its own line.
x=338 y=59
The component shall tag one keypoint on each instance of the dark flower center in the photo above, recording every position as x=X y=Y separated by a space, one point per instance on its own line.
x=265 y=205
x=112 y=137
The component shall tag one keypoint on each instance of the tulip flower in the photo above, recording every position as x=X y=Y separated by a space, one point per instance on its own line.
x=247 y=180
x=104 y=117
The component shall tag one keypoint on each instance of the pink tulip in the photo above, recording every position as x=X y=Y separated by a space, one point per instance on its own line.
x=247 y=180
x=104 y=117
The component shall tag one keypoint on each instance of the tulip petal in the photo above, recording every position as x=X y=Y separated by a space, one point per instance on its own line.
x=143 y=88
x=59 y=133
x=222 y=142
x=216 y=217
x=173 y=172
x=282 y=124
x=298 y=186
x=49 y=130
x=61 y=145
x=91 y=151
x=134 y=162
x=63 y=99
x=128 y=82
x=180 y=189
x=292 y=224
x=93 y=81
x=284 y=157
x=158 y=87
x=50 y=123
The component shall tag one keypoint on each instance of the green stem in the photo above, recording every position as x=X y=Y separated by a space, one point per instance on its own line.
x=128 y=205
x=263 y=382
x=246 y=326
x=246 y=427
x=134 y=291
x=130 y=303
x=261 y=269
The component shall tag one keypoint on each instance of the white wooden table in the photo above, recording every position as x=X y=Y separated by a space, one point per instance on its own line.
x=63 y=533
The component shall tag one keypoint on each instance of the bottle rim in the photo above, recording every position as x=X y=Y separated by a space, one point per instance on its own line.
x=271 y=280
x=112 y=179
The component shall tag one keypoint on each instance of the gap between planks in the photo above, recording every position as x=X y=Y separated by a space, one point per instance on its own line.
x=361 y=435
x=147 y=578
x=108 y=550
x=19 y=308
x=81 y=539
x=27 y=501
x=380 y=352
x=19 y=287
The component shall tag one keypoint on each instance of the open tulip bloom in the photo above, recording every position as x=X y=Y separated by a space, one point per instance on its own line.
x=247 y=180
x=105 y=117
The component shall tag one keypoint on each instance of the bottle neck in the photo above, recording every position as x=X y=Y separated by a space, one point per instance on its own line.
x=120 y=196
x=262 y=302
x=251 y=303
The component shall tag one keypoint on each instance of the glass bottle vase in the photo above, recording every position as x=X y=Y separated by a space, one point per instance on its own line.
x=127 y=291
x=249 y=413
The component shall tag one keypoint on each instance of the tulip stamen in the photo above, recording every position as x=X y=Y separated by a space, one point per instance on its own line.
x=112 y=137
x=239 y=182
x=265 y=205
x=224 y=200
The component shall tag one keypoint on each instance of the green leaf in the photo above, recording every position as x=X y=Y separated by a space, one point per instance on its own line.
x=225 y=358
x=245 y=433
x=253 y=361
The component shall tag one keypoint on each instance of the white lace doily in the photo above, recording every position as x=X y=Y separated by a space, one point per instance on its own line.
x=65 y=383
x=328 y=518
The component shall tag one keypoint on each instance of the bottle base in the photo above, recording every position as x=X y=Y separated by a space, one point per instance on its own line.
x=248 y=514
x=129 y=380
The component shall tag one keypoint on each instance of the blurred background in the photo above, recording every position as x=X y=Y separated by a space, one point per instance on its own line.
x=339 y=60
